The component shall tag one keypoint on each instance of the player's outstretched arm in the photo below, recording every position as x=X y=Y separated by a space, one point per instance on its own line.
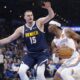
x=14 y=36
x=70 y=33
x=51 y=14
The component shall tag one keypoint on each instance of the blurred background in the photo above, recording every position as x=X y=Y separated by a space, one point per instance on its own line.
x=11 y=17
x=11 y=13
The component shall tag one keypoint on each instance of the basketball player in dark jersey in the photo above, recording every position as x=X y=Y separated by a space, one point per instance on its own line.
x=33 y=33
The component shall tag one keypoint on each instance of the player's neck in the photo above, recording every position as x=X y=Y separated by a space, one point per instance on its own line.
x=30 y=24
x=58 y=33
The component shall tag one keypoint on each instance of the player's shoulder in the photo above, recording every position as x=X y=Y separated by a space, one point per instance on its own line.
x=67 y=30
x=20 y=29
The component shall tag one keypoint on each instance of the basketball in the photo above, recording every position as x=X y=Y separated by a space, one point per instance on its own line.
x=65 y=52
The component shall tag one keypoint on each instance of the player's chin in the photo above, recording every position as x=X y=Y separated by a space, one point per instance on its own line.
x=30 y=21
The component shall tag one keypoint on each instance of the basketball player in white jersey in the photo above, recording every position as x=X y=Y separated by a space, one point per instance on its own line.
x=65 y=37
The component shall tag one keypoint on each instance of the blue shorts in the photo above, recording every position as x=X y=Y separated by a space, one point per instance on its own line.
x=38 y=58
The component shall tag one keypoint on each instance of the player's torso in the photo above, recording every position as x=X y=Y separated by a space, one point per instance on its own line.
x=64 y=40
x=61 y=41
x=34 y=39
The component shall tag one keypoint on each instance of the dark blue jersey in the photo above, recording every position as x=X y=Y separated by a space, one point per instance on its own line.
x=34 y=39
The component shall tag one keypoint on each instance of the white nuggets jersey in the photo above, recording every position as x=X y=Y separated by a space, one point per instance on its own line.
x=64 y=40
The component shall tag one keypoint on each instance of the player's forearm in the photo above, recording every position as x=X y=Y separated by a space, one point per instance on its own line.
x=5 y=41
x=76 y=61
x=51 y=13
x=73 y=64
x=76 y=37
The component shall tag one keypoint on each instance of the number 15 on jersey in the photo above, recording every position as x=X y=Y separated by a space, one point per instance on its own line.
x=33 y=40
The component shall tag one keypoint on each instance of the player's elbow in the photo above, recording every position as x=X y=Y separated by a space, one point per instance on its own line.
x=51 y=16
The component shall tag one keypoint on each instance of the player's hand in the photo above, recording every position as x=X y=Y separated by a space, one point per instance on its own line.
x=56 y=51
x=46 y=5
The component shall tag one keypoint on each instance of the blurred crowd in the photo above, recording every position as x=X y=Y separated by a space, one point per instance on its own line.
x=10 y=60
